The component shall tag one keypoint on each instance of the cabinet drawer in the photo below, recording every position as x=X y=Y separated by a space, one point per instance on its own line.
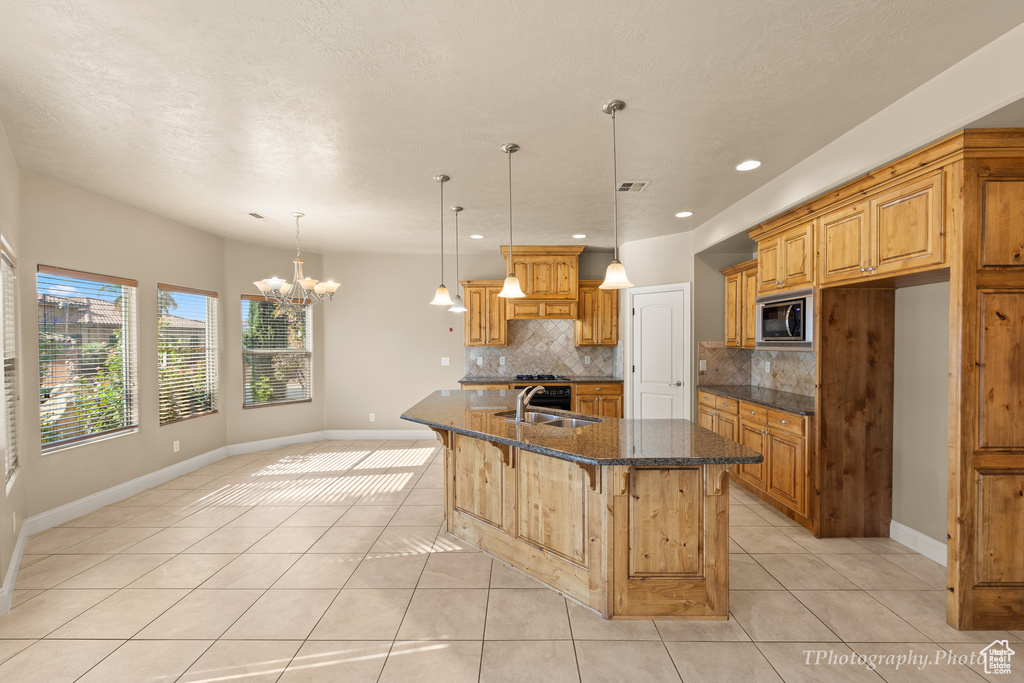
x=752 y=412
x=787 y=422
x=705 y=399
x=727 y=404
x=610 y=389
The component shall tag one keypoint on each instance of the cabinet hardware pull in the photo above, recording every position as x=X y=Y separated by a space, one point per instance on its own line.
x=871 y=267
x=863 y=270
x=783 y=422
x=752 y=412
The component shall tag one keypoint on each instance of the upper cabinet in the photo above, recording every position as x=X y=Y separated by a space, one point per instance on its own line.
x=785 y=260
x=546 y=272
x=485 y=313
x=598 y=323
x=895 y=231
x=741 y=283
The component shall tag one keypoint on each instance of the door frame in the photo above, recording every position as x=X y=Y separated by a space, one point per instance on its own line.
x=626 y=315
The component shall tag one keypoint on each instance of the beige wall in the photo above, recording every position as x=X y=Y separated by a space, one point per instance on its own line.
x=659 y=260
x=12 y=495
x=920 y=418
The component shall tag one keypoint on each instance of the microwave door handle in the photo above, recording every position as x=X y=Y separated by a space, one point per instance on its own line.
x=789 y=317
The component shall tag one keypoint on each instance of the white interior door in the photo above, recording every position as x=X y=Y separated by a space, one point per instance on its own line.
x=660 y=354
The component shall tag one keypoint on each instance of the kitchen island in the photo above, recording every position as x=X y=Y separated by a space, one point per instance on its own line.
x=628 y=517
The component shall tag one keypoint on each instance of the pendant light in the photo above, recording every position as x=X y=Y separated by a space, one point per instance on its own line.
x=302 y=290
x=457 y=305
x=615 y=276
x=441 y=297
x=511 y=290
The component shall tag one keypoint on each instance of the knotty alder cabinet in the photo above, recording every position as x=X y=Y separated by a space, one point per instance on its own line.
x=741 y=304
x=602 y=400
x=486 y=323
x=720 y=414
x=545 y=272
x=598 y=323
x=785 y=259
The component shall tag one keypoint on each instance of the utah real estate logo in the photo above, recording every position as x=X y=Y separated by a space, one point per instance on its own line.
x=996 y=657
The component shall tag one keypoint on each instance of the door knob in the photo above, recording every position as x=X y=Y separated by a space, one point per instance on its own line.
x=679 y=384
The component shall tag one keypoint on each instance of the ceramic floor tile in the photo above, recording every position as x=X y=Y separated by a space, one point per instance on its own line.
x=824 y=545
x=529 y=662
x=357 y=614
x=214 y=516
x=187 y=482
x=358 y=539
x=424 y=497
x=776 y=615
x=57 y=539
x=317 y=515
x=20 y=596
x=916 y=670
x=27 y=560
x=418 y=515
x=745 y=574
x=969 y=655
x=252 y=571
x=405 y=539
x=587 y=625
x=505 y=576
x=202 y=614
x=803 y=571
x=700 y=630
x=724 y=662
x=44 y=613
x=446 y=543
x=55 y=569
x=282 y=615
x=526 y=614
x=456 y=570
x=184 y=571
x=433 y=662
x=228 y=540
x=55 y=661
x=173 y=540
x=816 y=663
x=122 y=615
x=337 y=662
x=856 y=616
x=773 y=516
x=147 y=661
x=109 y=516
x=883 y=545
x=159 y=517
x=603 y=661
x=149 y=498
x=388 y=571
x=264 y=515
x=246 y=661
x=293 y=539
x=445 y=614
x=932 y=573
x=740 y=515
x=111 y=541
x=869 y=572
x=9 y=648
x=319 y=571
x=926 y=612
x=764 y=540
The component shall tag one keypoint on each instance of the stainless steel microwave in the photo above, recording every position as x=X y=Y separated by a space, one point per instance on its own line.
x=785 y=322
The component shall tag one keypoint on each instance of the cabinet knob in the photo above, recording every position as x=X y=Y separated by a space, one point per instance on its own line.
x=863 y=270
x=871 y=267
x=783 y=422
x=597 y=388
x=752 y=412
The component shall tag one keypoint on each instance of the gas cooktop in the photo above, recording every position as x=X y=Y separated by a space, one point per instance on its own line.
x=541 y=378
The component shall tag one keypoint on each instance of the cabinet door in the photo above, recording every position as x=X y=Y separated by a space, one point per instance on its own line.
x=476 y=316
x=524 y=310
x=706 y=417
x=752 y=435
x=588 y=405
x=787 y=469
x=586 y=325
x=497 y=323
x=607 y=326
x=748 y=291
x=906 y=226
x=796 y=256
x=733 y=311
x=546 y=276
x=768 y=265
x=727 y=425
x=843 y=244
x=611 y=406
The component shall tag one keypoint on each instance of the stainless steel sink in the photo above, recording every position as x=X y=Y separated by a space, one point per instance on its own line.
x=534 y=417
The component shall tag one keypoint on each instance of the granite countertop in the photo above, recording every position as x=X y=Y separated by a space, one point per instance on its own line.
x=780 y=400
x=609 y=442
x=513 y=380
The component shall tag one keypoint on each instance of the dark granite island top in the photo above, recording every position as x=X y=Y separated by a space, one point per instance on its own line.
x=609 y=442
x=505 y=379
x=772 y=398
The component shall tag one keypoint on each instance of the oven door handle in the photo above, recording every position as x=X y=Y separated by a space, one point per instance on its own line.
x=789 y=317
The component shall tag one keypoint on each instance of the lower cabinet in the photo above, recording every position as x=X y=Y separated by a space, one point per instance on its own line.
x=600 y=400
x=719 y=414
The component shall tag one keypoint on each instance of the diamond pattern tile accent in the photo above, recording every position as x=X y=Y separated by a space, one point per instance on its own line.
x=543 y=346
x=791 y=371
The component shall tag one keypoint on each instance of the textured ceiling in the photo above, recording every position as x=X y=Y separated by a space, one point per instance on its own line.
x=204 y=110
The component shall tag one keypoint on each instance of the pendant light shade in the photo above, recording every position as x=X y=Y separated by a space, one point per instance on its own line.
x=615 y=276
x=457 y=305
x=441 y=296
x=512 y=289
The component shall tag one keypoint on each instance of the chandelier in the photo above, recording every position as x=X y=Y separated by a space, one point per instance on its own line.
x=302 y=290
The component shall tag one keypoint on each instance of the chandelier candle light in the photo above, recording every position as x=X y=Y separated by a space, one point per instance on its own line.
x=457 y=305
x=615 y=276
x=302 y=290
x=441 y=296
x=512 y=289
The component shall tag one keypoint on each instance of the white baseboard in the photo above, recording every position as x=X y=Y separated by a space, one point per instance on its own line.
x=388 y=434
x=918 y=542
x=276 y=442
x=7 y=590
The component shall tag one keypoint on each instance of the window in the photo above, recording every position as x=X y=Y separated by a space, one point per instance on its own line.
x=9 y=344
x=86 y=355
x=187 y=352
x=276 y=354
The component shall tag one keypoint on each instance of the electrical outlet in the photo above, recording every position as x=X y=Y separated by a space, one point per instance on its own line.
x=373 y=417
x=703 y=366
x=177 y=446
x=446 y=360
x=501 y=360
x=479 y=360
x=586 y=360
x=768 y=366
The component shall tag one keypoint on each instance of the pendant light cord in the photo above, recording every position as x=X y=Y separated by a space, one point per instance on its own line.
x=442 y=232
x=298 y=251
x=615 y=191
x=456 y=253
x=510 y=261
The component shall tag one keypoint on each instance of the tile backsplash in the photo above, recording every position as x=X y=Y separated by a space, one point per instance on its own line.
x=543 y=346
x=791 y=371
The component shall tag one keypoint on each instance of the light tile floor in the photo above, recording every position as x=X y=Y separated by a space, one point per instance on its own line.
x=325 y=562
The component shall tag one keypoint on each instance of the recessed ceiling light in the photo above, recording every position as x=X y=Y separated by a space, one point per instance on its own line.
x=476 y=237
x=684 y=214
x=748 y=165
x=578 y=237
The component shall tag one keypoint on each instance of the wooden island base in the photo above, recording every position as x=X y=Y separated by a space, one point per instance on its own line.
x=629 y=542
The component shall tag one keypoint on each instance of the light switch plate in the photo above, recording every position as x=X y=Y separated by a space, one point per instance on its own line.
x=446 y=360
x=586 y=360
x=501 y=360
x=703 y=366
x=479 y=361
x=768 y=366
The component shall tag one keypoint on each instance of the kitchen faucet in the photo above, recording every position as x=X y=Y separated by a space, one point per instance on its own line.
x=521 y=402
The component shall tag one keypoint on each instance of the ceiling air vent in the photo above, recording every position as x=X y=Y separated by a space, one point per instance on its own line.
x=256 y=215
x=633 y=185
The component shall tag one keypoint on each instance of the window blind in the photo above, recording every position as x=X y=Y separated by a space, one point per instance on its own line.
x=187 y=352
x=276 y=353
x=86 y=326
x=9 y=342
